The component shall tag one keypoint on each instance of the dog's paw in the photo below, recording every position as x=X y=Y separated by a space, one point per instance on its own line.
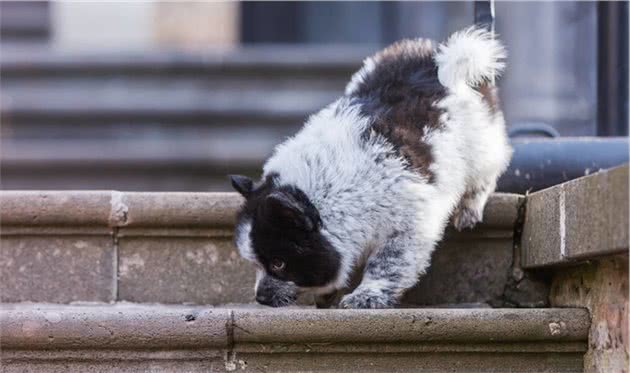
x=366 y=299
x=466 y=218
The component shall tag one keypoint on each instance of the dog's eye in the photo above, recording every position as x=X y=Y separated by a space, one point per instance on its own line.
x=277 y=264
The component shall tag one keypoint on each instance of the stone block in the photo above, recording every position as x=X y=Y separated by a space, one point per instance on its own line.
x=197 y=270
x=581 y=219
x=541 y=231
x=57 y=269
x=586 y=205
x=618 y=212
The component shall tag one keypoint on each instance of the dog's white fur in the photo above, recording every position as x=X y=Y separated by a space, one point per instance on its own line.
x=470 y=56
x=381 y=214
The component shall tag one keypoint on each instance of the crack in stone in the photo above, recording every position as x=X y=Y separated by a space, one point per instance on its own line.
x=119 y=211
x=241 y=328
x=230 y=355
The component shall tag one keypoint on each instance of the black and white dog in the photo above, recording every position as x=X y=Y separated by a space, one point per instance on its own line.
x=372 y=179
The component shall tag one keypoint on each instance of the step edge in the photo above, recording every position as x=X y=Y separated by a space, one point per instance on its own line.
x=112 y=209
x=157 y=326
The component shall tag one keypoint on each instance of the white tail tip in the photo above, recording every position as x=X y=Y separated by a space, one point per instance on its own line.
x=471 y=56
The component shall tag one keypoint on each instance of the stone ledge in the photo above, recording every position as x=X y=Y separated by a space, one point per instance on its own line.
x=112 y=209
x=40 y=326
x=578 y=220
x=410 y=325
x=36 y=326
x=133 y=338
x=24 y=211
x=176 y=248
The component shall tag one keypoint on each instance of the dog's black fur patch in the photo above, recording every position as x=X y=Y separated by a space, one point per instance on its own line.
x=286 y=227
x=399 y=96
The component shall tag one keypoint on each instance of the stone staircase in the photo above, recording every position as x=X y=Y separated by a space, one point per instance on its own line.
x=157 y=120
x=151 y=282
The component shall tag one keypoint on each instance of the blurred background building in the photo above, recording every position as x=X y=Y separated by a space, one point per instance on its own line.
x=175 y=95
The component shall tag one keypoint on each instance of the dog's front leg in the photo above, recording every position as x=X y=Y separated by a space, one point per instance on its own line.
x=388 y=273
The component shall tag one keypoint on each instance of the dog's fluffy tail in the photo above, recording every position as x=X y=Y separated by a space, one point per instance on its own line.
x=471 y=56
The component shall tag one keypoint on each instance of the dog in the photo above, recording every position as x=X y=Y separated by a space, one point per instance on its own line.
x=371 y=181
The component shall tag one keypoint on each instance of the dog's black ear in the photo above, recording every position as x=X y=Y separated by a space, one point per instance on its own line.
x=287 y=210
x=242 y=184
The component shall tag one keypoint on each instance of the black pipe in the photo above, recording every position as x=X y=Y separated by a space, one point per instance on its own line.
x=612 y=68
x=532 y=128
x=540 y=163
x=484 y=14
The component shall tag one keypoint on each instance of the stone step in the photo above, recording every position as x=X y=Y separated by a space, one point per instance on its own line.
x=109 y=246
x=160 y=86
x=24 y=21
x=159 y=338
x=94 y=121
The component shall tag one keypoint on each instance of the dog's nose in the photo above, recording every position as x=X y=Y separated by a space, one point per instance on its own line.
x=263 y=299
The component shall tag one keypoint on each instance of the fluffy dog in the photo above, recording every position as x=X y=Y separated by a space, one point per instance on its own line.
x=371 y=180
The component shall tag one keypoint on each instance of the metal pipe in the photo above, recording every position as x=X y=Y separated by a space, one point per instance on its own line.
x=612 y=68
x=540 y=163
x=532 y=128
x=484 y=14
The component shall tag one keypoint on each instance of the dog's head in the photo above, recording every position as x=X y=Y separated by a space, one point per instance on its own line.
x=280 y=230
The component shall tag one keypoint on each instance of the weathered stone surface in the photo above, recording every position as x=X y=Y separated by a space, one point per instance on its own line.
x=580 y=219
x=123 y=362
x=57 y=269
x=164 y=210
x=130 y=338
x=183 y=270
x=619 y=211
x=378 y=361
x=145 y=326
x=502 y=210
x=118 y=209
x=176 y=248
x=409 y=325
x=586 y=222
x=411 y=362
x=37 y=208
x=543 y=215
x=602 y=287
x=110 y=327
x=176 y=210
x=473 y=271
x=525 y=289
